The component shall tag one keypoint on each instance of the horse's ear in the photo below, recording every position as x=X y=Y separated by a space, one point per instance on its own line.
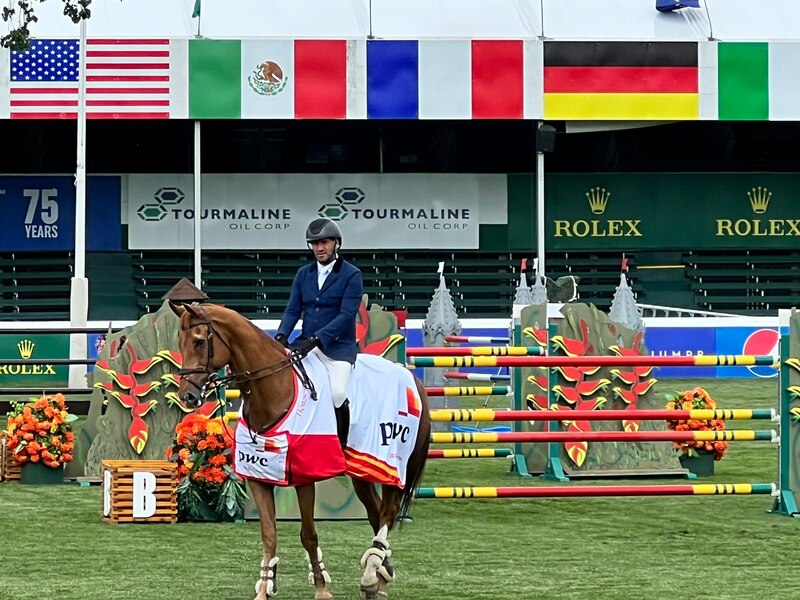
x=178 y=309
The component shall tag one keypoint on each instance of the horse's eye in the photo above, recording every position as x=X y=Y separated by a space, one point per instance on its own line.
x=199 y=343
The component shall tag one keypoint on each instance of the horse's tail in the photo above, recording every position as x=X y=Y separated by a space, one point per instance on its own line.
x=416 y=463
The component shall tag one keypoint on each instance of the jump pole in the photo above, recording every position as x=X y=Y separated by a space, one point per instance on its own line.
x=572 y=491
x=448 y=351
x=730 y=435
x=742 y=360
x=486 y=390
x=488 y=414
x=470 y=453
x=477 y=376
x=475 y=339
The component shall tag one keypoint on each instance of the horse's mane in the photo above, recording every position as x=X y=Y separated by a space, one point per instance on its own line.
x=252 y=325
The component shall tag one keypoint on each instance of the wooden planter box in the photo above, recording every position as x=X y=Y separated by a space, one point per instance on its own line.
x=10 y=469
x=140 y=491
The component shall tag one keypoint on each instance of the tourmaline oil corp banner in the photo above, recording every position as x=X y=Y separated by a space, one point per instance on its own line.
x=255 y=211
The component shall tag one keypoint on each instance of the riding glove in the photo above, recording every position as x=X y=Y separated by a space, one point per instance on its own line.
x=282 y=340
x=308 y=345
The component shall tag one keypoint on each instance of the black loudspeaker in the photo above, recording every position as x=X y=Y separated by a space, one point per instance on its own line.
x=545 y=138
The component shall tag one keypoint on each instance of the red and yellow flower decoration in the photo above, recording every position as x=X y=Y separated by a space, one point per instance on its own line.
x=696 y=399
x=209 y=488
x=39 y=431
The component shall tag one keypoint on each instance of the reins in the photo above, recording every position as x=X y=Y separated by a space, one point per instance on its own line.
x=213 y=381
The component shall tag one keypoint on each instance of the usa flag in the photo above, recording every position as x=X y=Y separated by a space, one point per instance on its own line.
x=125 y=79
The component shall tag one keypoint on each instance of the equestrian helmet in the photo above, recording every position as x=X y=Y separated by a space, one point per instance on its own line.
x=320 y=229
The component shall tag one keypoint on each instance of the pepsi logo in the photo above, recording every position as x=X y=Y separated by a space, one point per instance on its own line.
x=761 y=343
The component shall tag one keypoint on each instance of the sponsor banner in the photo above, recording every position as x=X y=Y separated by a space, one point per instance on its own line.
x=39 y=213
x=748 y=340
x=33 y=348
x=254 y=211
x=739 y=210
x=681 y=341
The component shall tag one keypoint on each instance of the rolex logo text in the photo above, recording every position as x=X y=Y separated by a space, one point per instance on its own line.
x=759 y=198
x=598 y=228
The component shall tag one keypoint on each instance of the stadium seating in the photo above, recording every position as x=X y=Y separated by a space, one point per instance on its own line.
x=482 y=284
x=753 y=282
x=35 y=286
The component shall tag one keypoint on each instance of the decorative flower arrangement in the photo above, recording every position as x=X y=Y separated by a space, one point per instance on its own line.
x=40 y=432
x=696 y=399
x=209 y=489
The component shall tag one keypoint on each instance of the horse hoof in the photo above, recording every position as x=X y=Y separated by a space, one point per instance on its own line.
x=323 y=595
x=370 y=592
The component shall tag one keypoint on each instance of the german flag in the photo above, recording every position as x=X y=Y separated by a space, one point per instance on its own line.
x=621 y=80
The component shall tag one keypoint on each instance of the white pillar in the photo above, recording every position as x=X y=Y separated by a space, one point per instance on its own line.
x=79 y=288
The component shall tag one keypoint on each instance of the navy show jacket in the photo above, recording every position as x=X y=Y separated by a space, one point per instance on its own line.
x=328 y=313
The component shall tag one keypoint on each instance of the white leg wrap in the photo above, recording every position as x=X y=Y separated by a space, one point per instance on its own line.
x=267 y=581
x=384 y=573
x=325 y=576
x=372 y=552
x=372 y=561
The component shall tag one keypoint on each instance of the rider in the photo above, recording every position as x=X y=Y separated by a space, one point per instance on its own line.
x=326 y=294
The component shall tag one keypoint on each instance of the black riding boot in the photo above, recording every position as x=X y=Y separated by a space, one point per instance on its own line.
x=343 y=422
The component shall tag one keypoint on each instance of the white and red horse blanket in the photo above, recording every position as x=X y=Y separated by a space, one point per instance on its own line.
x=303 y=446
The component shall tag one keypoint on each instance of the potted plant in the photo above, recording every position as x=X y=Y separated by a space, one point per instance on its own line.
x=41 y=438
x=698 y=457
x=209 y=490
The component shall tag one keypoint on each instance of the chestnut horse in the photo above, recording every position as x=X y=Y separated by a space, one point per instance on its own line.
x=212 y=337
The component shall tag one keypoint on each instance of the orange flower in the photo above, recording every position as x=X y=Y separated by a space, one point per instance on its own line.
x=218 y=460
x=38 y=431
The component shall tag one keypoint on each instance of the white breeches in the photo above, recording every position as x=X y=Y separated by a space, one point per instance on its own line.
x=339 y=374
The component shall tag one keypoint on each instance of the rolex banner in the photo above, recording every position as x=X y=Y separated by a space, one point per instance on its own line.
x=256 y=211
x=29 y=350
x=679 y=211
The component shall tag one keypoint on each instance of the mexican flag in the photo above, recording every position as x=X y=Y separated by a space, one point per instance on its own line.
x=269 y=79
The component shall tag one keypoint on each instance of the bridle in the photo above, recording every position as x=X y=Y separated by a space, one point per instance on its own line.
x=213 y=380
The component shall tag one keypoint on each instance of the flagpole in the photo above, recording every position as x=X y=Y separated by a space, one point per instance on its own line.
x=80 y=170
x=198 y=203
x=79 y=288
x=540 y=242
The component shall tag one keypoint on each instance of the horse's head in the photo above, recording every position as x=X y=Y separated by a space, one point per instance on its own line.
x=204 y=352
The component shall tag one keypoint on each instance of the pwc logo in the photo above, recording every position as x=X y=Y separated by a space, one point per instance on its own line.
x=252 y=459
x=391 y=431
x=763 y=342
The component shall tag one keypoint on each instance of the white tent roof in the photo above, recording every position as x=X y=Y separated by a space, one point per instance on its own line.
x=456 y=18
x=393 y=19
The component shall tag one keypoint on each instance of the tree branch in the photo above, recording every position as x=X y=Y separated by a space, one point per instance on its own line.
x=20 y=14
